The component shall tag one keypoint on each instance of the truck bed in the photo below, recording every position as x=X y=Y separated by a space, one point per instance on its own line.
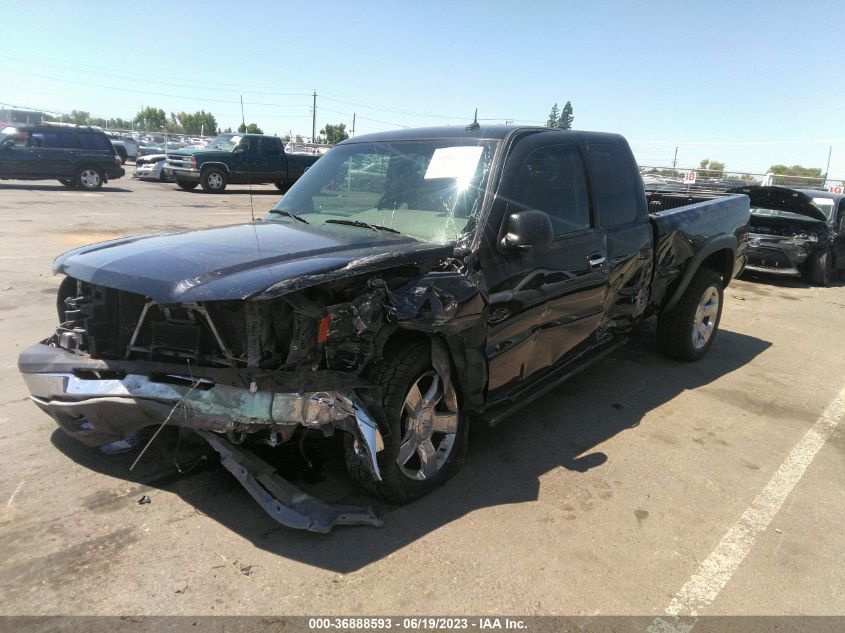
x=692 y=225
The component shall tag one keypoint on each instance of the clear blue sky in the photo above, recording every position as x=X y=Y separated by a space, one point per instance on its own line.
x=739 y=75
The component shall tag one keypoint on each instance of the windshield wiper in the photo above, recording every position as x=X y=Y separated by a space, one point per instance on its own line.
x=363 y=225
x=290 y=215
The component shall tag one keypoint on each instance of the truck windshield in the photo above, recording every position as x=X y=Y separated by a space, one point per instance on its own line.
x=225 y=142
x=431 y=190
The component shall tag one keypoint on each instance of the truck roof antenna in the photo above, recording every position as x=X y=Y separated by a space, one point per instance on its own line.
x=474 y=125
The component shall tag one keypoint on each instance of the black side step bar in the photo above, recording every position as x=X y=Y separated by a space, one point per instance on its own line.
x=501 y=410
x=282 y=500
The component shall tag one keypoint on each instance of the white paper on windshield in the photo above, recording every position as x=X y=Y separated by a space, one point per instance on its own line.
x=454 y=162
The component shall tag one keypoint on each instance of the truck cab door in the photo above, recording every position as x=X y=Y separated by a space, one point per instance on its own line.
x=545 y=304
x=274 y=158
x=620 y=204
x=247 y=160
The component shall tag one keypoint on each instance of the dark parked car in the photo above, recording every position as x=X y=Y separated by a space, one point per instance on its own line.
x=237 y=158
x=77 y=156
x=797 y=232
x=481 y=269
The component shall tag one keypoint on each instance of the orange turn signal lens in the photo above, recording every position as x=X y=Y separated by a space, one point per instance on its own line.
x=323 y=330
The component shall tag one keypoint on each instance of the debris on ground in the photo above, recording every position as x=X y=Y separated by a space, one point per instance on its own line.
x=144 y=500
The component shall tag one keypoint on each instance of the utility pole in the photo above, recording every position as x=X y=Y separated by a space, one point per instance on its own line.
x=827 y=169
x=314 y=119
x=353 y=124
x=675 y=160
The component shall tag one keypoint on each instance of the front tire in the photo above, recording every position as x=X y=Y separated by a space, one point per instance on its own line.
x=687 y=331
x=186 y=185
x=89 y=178
x=213 y=180
x=428 y=434
x=282 y=186
x=819 y=270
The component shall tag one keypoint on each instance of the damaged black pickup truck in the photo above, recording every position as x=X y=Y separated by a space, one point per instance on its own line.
x=407 y=283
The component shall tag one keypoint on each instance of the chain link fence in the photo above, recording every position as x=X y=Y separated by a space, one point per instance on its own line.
x=695 y=179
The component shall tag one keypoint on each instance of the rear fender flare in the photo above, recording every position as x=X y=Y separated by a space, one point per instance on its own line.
x=713 y=245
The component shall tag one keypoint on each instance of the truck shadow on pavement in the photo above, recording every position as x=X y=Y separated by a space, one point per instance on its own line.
x=59 y=187
x=783 y=281
x=564 y=429
x=239 y=189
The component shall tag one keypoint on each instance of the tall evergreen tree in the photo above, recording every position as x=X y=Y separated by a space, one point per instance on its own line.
x=564 y=122
x=553 y=117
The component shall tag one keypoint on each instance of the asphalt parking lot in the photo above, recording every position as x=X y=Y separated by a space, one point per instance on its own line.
x=615 y=494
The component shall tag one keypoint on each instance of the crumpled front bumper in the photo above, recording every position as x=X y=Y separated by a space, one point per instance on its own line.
x=99 y=402
x=766 y=254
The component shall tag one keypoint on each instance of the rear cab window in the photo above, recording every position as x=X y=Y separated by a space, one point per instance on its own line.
x=614 y=184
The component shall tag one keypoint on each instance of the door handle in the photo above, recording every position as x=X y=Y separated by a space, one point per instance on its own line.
x=596 y=261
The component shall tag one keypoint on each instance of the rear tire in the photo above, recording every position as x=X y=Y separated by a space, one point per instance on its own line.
x=186 y=185
x=819 y=270
x=89 y=178
x=213 y=180
x=427 y=444
x=687 y=331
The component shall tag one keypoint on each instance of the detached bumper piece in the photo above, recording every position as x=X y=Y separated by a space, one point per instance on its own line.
x=281 y=500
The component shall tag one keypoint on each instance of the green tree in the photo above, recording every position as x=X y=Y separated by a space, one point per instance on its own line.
x=298 y=138
x=800 y=175
x=796 y=170
x=711 y=168
x=564 y=121
x=151 y=118
x=197 y=123
x=334 y=133
x=228 y=130
x=553 y=116
x=252 y=128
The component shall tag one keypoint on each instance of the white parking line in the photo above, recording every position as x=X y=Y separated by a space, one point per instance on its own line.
x=15 y=494
x=714 y=573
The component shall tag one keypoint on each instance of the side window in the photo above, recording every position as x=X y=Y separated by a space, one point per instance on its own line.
x=21 y=140
x=249 y=144
x=552 y=180
x=269 y=145
x=60 y=139
x=103 y=143
x=87 y=141
x=615 y=192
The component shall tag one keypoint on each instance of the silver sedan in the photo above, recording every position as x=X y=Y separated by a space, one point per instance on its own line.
x=151 y=168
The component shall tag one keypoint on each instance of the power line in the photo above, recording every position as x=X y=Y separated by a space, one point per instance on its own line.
x=237 y=88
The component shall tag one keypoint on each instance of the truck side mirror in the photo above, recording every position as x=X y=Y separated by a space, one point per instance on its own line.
x=526 y=230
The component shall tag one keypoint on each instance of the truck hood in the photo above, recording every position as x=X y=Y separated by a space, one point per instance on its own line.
x=782 y=199
x=196 y=151
x=240 y=261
